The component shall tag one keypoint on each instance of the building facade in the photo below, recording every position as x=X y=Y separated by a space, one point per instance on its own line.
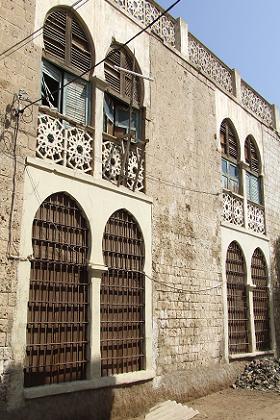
x=139 y=212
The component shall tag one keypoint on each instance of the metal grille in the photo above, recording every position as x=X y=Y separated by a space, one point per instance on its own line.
x=122 y=296
x=58 y=297
x=237 y=300
x=260 y=300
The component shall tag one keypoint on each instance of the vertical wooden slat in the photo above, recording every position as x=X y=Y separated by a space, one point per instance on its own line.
x=58 y=299
x=122 y=312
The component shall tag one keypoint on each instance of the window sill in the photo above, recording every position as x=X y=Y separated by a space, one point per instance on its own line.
x=104 y=382
x=251 y=355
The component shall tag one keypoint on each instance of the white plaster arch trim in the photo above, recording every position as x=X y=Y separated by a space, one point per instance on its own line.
x=98 y=200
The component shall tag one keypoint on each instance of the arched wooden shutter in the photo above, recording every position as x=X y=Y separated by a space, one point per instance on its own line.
x=58 y=297
x=119 y=81
x=65 y=39
x=260 y=300
x=122 y=296
x=229 y=141
x=251 y=155
x=237 y=300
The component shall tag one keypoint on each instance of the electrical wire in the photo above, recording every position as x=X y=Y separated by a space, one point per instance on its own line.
x=112 y=52
x=29 y=38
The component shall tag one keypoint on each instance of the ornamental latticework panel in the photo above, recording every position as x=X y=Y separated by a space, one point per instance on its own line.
x=61 y=143
x=122 y=300
x=256 y=104
x=260 y=300
x=58 y=298
x=113 y=159
x=256 y=218
x=238 y=337
x=209 y=64
x=233 y=209
x=146 y=12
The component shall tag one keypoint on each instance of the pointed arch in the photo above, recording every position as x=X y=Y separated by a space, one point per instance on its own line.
x=230 y=148
x=253 y=179
x=238 y=317
x=122 y=299
x=57 y=338
x=67 y=39
x=259 y=275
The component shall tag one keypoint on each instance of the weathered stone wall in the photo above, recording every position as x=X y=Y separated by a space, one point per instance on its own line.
x=183 y=177
x=272 y=211
x=19 y=69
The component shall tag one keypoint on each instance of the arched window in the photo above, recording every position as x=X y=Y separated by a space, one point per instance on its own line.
x=238 y=336
x=122 y=298
x=118 y=97
x=230 y=157
x=253 y=180
x=260 y=300
x=68 y=52
x=57 y=338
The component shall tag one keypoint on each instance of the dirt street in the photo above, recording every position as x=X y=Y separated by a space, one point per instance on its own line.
x=237 y=404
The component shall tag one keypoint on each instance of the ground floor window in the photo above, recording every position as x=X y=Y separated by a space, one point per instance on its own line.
x=247 y=301
x=260 y=300
x=122 y=300
x=237 y=300
x=57 y=324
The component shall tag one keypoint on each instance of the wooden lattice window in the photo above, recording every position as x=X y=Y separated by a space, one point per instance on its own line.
x=122 y=297
x=230 y=157
x=260 y=300
x=237 y=300
x=120 y=82
x=253 y=180
x=66 y=40
x=58 y=298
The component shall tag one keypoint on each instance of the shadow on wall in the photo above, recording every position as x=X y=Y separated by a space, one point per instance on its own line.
x=82 y=405
x=276 y=292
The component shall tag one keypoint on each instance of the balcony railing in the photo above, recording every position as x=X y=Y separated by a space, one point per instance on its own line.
x=255 y=103
x=233 y=208
x=121 y=167
x=209 y=64
x=256 y=217
x=63 y=141
x=145 y=11
x=233 y=212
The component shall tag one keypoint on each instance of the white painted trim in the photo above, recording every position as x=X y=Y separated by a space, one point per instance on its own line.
x=105 y=382
x=252 y=355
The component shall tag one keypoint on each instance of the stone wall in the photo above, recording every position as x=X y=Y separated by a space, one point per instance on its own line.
x=183 y=177
x=19 y=69
x=272 y=210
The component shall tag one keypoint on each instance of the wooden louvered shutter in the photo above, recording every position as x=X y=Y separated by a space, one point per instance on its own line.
x=54 y=34
x=119 y=81
x=65 y=39
x=251 y=155
x=76 y=99
x=80 y=48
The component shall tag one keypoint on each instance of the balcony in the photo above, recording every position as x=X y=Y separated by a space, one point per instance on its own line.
x=64 y=142
x=243 y=213
x=123 y=163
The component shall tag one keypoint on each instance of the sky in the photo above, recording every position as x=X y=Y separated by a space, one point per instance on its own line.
x=244 y=34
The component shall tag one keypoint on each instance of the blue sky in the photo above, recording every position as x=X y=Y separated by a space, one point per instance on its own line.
x=245 y=34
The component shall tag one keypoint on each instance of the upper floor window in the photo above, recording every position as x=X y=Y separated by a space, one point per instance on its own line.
x=68 y=52
x=117 y=117
x=253 y=180
x=230 y=157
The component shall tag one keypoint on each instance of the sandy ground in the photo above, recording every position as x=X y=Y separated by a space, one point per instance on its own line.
x=237 y=404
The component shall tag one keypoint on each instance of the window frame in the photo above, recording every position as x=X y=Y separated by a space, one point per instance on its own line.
x=227 y=129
